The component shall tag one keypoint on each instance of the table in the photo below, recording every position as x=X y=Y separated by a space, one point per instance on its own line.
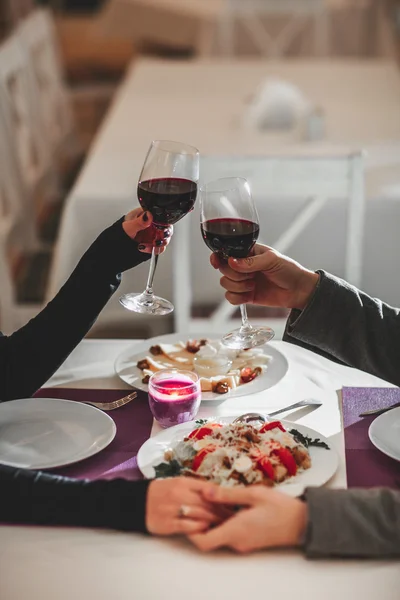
x=201 y=103
x=60 y=564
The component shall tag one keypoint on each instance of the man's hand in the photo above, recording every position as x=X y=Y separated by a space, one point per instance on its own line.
x=267 y=519
x=267 y=278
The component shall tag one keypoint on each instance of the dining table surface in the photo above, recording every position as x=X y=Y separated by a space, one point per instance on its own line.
x=54 y=563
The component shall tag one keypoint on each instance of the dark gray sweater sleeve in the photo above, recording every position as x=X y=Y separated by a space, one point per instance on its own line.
x=353 y=523
x=348 y=326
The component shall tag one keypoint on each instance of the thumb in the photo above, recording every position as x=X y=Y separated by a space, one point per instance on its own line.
x=221 y=495
x=268 y=260
x=136 y=221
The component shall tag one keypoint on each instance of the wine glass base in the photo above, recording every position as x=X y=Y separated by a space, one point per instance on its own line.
x=250 y=338
x=141 y=303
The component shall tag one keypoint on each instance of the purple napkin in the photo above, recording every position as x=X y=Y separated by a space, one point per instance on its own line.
x=134 y=422
x=366 y=465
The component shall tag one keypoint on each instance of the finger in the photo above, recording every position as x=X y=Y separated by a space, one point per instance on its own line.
x=234 y=275
x=237 y=496
x=215 y=538
x=237 y=299
x=189 y=527
x=215 y=261
x=136 y=212
x=138 y=223
x=148 y=248
x=237 y=287
x=267 y=260
x=204 y=515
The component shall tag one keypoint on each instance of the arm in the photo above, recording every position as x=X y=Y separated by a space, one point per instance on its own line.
x=353 y=523
x=33 y=353
x=33 y=498
x=349 y=326
x=337 y=523
x=40 y=499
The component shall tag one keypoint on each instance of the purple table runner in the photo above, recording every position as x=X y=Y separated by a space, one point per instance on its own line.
x=134 y=422
x=366 y=465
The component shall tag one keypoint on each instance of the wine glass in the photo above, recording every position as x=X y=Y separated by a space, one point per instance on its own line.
x=230 y=227
x=168 y=189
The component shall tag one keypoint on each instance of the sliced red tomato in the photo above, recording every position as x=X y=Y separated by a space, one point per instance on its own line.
x=201 y=432
x=264 y=464
x=200 y=456
x=272 y=425
x=287 y=459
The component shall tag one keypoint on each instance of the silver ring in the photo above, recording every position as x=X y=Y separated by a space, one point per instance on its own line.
x=183 y=511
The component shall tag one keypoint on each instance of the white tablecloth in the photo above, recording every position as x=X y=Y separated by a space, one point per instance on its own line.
x=60 y=564
x=201 y=104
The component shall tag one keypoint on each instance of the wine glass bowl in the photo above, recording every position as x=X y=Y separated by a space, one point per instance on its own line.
x=168 y=189
x=230 y=227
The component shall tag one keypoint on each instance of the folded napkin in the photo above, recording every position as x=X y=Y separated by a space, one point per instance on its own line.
x=276 y=105
x=134 y=422
x=366 y=465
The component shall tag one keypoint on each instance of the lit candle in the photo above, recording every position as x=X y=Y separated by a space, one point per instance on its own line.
x=174 y=396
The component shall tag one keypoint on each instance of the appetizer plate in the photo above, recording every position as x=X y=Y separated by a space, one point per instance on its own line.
x=384 y=433
x=324 y=462
x=126 y=369
x=43 y=433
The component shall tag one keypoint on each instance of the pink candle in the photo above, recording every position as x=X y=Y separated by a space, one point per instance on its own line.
x=174 y=396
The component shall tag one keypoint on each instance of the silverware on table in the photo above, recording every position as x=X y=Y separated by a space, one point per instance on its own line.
x=107 y=406
x=251 y=417
x=378 y=411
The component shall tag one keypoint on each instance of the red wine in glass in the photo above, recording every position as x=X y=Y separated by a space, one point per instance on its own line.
x=230 y=227
x=167 y=188
x=168 y=199
x=230 y=237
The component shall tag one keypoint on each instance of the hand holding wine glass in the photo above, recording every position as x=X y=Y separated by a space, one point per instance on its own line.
x=167 y=189
x=230 y=228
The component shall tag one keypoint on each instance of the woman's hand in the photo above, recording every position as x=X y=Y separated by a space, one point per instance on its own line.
x=268 y=519
x=267 y=278
x=177 y=506
x=139 y=226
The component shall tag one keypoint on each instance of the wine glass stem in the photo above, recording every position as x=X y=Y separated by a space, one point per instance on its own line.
x=245 y=321
x=152 y=269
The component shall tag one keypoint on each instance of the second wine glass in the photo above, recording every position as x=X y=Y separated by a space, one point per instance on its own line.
x=168 y=189
x=230 y=227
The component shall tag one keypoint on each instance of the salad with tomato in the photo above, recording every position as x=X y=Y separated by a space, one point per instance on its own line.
x=237 y=454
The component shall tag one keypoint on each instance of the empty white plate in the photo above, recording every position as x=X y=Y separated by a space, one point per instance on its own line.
x=42 y=433
x=384 y=433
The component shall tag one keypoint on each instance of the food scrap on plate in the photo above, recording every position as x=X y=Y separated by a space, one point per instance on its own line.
x=220 y=369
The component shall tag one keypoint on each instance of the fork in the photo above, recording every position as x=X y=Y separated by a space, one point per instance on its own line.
x=107 y=406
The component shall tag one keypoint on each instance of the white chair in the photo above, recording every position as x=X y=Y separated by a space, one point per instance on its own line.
x=250 y=13
x=26 y=153
x=13 y=314
x=38 y=38
x=316 y=179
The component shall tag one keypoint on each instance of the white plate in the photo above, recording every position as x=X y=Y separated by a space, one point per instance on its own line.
x=384 y=433
x=42 y=433
x=126 y=369
x=324 y=462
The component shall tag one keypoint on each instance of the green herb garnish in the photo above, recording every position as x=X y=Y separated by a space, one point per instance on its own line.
x=307 y=441
x=168 y=469
x=201 y=422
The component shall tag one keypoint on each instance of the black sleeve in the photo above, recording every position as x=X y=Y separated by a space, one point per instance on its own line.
x=33 y=498
x=30 y=356
x=348 y=326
